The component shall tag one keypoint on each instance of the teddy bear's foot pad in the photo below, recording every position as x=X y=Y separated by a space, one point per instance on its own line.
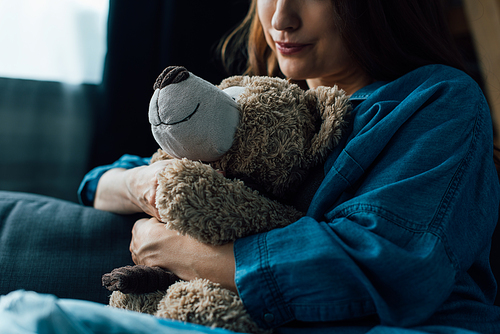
x=138 y=279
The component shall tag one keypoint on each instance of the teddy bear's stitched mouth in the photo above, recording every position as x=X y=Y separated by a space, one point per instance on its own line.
x=187 y=118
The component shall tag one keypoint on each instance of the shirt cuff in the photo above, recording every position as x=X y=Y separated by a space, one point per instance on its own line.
x=256 y=285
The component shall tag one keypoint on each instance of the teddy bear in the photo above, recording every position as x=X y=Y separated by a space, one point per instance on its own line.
x=240 y=151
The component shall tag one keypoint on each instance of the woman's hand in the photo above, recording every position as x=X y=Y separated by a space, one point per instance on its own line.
x=141 y=184
x=127 y=191
x=154 y=245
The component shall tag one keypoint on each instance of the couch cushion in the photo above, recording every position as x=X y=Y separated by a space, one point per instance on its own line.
x=53 y=246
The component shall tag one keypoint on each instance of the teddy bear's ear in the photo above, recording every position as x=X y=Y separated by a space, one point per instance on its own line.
x=332 y=105
x=237 y=80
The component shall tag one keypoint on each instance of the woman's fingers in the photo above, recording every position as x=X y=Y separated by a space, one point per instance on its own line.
x=156 y=246
x=142 y=183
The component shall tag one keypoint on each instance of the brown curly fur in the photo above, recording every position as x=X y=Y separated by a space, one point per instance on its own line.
x=284 y=131
x=220 y=307
x=143 y=303
x=194 y=199
x=297 y=127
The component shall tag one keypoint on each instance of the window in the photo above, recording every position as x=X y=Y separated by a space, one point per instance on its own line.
x=53 y=40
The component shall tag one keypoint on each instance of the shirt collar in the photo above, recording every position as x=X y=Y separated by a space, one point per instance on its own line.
x=365 y=92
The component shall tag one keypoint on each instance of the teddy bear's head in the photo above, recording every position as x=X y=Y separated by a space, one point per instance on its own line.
x=265 y=131
x=190 y=117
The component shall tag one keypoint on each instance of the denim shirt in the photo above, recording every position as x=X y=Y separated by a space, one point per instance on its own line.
x=398 y=233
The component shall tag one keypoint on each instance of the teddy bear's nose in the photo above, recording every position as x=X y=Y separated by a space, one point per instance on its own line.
x=171 y=75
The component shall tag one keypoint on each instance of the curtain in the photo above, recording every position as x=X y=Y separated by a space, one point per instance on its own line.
x=53 y=40
x=52 y=58
x=53 y=129
x=143 y=38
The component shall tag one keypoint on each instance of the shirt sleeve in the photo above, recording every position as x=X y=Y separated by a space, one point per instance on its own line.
x=88 y=186
x=406 y=208
x=318 y=272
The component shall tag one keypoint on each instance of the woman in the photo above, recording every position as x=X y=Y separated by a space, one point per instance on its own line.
x=397 y=235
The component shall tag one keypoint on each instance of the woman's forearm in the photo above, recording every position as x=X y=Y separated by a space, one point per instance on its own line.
x=113 y=193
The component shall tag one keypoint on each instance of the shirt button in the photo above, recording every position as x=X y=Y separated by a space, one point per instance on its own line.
x=268 y=317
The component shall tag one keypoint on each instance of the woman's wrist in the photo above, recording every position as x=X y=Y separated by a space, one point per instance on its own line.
x=113 y=194
x=215 y=263
x=129 y=178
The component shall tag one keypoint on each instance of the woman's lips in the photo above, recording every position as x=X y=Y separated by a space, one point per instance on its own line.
x=287 y=49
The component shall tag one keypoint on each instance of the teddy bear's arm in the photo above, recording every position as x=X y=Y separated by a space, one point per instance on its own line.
x=196 y=200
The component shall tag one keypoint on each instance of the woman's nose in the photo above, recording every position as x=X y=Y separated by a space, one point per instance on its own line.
x=286 y=15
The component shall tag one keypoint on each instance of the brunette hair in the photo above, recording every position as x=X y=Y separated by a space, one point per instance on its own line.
x=387 y=38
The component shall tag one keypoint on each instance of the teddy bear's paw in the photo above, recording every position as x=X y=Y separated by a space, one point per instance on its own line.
x=194 y=199
x=203 y=302
x=143 y=303
x=138 y=279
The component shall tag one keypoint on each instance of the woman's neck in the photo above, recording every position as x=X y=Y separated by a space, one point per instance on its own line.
x=349 y=81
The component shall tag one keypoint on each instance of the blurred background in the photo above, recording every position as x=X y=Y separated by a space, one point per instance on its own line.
x=76 y=76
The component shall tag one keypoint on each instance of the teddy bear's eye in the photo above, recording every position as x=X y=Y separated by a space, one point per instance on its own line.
x=185 y=119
